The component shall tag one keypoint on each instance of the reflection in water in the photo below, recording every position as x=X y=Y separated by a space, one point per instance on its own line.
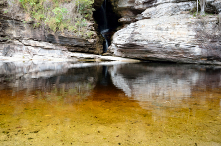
x=124 y=104
x=104 y=80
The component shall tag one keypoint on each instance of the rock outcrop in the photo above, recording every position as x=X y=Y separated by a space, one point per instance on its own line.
x=166 y=30
x=20 y=38
x=34 y=50
x=156 y=30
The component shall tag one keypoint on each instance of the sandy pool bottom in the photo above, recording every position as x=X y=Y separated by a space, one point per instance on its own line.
x=109 y=120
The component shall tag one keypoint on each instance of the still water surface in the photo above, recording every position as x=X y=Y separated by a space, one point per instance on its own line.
x=123 y=104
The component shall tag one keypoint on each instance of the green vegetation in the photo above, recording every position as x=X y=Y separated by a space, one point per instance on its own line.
x=195 y=14
x=60 y=15
x=5 y=11
x=85 y=7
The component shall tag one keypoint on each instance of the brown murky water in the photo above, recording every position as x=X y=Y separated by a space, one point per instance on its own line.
x=129 y=104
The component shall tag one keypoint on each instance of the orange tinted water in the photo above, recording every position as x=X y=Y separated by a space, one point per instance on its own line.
x=115 y=108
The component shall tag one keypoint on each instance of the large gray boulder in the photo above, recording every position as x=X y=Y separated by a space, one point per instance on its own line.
x=166 y=31
x=179 y=38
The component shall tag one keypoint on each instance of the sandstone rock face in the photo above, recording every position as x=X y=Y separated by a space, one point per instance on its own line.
x=166 y=31
x=33 y=50
x=20 y=40
x=17 y=32
x=216 y=4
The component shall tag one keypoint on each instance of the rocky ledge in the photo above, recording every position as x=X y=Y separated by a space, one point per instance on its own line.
x=30 y=50
x=20 y=36
x=167 y=31
x=33 y=50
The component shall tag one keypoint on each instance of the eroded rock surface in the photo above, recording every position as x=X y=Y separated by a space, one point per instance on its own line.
x=163 y=30
x=18 y=32
x=33 y=50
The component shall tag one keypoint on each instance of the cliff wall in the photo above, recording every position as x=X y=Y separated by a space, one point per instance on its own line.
x=154 y=30
x=49 y=35
x=168 y=30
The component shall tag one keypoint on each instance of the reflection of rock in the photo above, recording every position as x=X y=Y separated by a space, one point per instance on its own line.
x=21 y=75
x=33 y=69
x=160 y=83
x=45 y=75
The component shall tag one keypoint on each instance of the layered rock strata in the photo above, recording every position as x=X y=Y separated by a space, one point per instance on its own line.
x=20 y=38
x=34 y=50
x=167 y=31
